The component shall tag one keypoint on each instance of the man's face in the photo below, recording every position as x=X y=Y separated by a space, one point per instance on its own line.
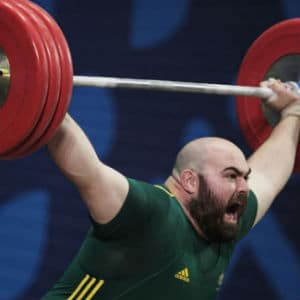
x=219 y=204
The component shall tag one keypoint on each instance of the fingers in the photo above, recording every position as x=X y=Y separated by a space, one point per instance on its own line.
x=278 y=86
x=284 y=93
x=286 y=98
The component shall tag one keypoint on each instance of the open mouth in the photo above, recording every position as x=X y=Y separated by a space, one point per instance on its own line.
x=232 y=213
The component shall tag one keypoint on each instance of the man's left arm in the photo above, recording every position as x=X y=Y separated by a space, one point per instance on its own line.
x=273 y=162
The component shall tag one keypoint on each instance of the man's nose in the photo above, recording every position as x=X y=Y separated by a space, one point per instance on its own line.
x=242 y=185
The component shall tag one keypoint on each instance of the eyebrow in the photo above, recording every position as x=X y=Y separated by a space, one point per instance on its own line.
x=239 y=172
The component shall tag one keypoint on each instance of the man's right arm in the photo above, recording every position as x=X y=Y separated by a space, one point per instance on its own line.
x=272 y=163
x=102 y=188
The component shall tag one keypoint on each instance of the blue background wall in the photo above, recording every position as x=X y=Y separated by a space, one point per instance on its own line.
x=42 y=220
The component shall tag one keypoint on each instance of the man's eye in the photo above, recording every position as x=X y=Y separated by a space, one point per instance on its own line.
x=232 y=176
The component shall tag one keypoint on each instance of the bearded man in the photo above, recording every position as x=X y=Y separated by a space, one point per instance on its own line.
x=172 y=241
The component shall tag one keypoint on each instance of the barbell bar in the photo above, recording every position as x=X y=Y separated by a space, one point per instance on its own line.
x=172 y=86
x=169 y=85
x=166 y=85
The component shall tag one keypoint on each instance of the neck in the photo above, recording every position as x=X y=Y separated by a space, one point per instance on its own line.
x=173 y=184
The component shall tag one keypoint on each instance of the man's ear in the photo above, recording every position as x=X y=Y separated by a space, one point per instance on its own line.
x=188 y=180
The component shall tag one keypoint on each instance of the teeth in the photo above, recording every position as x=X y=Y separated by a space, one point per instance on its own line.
x=231 y=217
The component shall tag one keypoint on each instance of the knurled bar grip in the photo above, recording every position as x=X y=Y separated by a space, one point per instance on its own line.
x=172 y=86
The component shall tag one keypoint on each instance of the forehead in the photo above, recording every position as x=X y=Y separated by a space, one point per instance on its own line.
x=220 y=158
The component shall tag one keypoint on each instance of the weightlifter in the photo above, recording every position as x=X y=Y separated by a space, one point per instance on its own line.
x=172 y=241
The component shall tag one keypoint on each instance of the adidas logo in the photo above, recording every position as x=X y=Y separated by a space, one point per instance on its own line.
x=183 y=275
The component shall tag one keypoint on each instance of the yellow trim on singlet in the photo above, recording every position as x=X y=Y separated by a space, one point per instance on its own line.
x=86 y=289
x=163 y=189
x=95 y=290
x=87 y=279
x=80 y=285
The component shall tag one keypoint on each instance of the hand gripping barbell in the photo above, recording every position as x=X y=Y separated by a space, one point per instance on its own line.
x=36 y=78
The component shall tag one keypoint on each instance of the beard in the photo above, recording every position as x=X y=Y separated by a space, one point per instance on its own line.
x=208 y=211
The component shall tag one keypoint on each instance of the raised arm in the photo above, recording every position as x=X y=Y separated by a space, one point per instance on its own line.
x=273 y=162
x=102 y=188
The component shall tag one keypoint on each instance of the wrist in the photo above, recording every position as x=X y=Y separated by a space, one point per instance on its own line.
x=291 y=110
x=290 y=119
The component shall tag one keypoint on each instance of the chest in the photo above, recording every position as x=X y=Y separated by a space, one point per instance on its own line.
x=190 y=276
x=187 y=276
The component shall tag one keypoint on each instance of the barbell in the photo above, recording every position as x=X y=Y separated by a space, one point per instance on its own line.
x=36 y=78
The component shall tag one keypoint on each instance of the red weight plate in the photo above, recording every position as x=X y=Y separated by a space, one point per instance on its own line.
x=277 y=42
x=54 y=82
x=29 y=76
x=66 y=79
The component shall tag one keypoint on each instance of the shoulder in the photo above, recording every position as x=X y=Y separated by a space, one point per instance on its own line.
x=143 y=204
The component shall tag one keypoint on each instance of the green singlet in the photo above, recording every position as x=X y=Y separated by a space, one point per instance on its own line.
x=149 y=251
